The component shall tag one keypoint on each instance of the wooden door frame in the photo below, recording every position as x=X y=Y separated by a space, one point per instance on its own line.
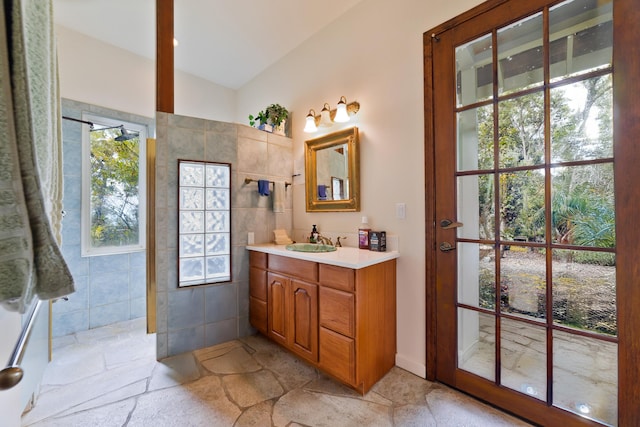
x=626 y=68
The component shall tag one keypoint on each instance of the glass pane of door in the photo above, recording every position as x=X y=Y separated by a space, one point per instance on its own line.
x=585 y=376
x=520 y=55
x=477 y=342
x=523 y=358
x=474 y=73
x=536 y=289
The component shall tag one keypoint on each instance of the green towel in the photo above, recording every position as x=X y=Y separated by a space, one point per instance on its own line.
x=30 y=168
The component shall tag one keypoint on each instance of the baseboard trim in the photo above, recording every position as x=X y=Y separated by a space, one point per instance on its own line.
x=415 y=368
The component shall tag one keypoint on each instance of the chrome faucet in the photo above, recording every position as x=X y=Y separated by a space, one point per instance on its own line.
x=338 y=242
x=325 y=240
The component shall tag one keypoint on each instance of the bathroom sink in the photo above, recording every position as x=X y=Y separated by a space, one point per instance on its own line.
x=310 y=247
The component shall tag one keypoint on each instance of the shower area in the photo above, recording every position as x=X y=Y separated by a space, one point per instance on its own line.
x=110 y=284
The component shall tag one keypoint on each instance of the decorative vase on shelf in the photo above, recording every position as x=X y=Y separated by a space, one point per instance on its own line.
x=280 y=129
x=265 y=127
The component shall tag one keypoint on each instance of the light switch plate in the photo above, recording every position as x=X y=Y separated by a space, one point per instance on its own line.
x=251 y=238
x=401 y=210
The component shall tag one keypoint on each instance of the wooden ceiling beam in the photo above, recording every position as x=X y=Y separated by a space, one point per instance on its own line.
x=164 y=56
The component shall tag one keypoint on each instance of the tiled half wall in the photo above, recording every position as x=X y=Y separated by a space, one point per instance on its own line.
x=195 y=317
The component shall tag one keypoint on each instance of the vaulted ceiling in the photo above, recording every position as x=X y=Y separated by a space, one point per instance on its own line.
x=227 y=42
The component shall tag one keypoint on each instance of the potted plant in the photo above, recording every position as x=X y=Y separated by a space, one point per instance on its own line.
x=272 y=117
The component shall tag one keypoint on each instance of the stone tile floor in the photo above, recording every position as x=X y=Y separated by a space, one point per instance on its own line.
x=585 y=370
x=109 y=377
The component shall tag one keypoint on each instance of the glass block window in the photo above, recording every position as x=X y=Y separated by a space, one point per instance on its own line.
x=204 y=223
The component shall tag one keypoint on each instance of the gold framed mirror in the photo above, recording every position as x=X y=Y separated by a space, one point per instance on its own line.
x=332 y=172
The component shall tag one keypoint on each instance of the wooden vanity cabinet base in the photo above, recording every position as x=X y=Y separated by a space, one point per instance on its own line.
x=339 y=319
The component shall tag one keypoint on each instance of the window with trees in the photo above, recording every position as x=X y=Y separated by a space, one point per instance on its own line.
x=113 y=187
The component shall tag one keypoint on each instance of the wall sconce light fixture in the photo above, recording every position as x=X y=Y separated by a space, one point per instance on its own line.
x=310 y=124
x=341 y=111
x=327 y=117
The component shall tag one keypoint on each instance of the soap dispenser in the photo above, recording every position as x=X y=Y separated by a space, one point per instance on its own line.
x=313 y=238
x=363 y=234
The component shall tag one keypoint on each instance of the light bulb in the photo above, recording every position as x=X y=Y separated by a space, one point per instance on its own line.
x=341 y=111
x=325 y=116
x=310 y=125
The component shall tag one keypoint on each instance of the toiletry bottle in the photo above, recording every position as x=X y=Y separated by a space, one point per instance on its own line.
x=363 y=234
x=313 y=238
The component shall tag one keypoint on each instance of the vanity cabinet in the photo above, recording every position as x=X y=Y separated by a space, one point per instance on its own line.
x=342 y=320
x=293 y=315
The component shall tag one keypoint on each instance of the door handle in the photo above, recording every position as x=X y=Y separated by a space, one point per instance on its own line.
x=446 y=247
x=446 y=224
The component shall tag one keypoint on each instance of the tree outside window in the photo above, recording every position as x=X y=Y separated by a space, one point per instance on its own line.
x=113 y=187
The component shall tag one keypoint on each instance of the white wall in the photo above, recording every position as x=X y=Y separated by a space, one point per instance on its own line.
x=372 y=54
x=100 y=74
x=196 y=97
x=104 y=75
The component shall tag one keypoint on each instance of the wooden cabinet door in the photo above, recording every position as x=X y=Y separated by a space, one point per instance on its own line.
x=303 y=338
x=277 y=303
x=258 y=299
x=258 y=314
x=258 y=283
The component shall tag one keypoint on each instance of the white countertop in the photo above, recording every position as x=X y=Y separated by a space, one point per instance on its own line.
x=342 y=257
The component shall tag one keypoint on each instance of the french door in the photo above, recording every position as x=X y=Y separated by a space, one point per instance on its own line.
x=533 y=248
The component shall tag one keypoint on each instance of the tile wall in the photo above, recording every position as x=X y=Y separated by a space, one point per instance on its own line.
x=200 y=316
x=109 y=288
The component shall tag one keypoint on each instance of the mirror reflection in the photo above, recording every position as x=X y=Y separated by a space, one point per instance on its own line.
x=332 y=172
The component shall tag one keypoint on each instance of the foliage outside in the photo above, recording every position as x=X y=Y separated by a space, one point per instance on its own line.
x=114 y=189
x=581 y=195
x=582 y=204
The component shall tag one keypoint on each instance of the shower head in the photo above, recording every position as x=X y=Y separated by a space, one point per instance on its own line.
x=124 y=135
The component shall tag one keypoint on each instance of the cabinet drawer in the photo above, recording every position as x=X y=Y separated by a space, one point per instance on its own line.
x=306 y=270
x=258 y=283
x=337 y=355
x=337 y=311
x=337 y=277
x=258 y=314
x=257 y=259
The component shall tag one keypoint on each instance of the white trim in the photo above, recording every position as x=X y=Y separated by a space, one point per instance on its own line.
x=416 y=368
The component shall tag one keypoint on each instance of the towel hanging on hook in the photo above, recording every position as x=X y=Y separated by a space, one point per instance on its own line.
x=263 y=187
x=249 y=180
x=278 y=197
